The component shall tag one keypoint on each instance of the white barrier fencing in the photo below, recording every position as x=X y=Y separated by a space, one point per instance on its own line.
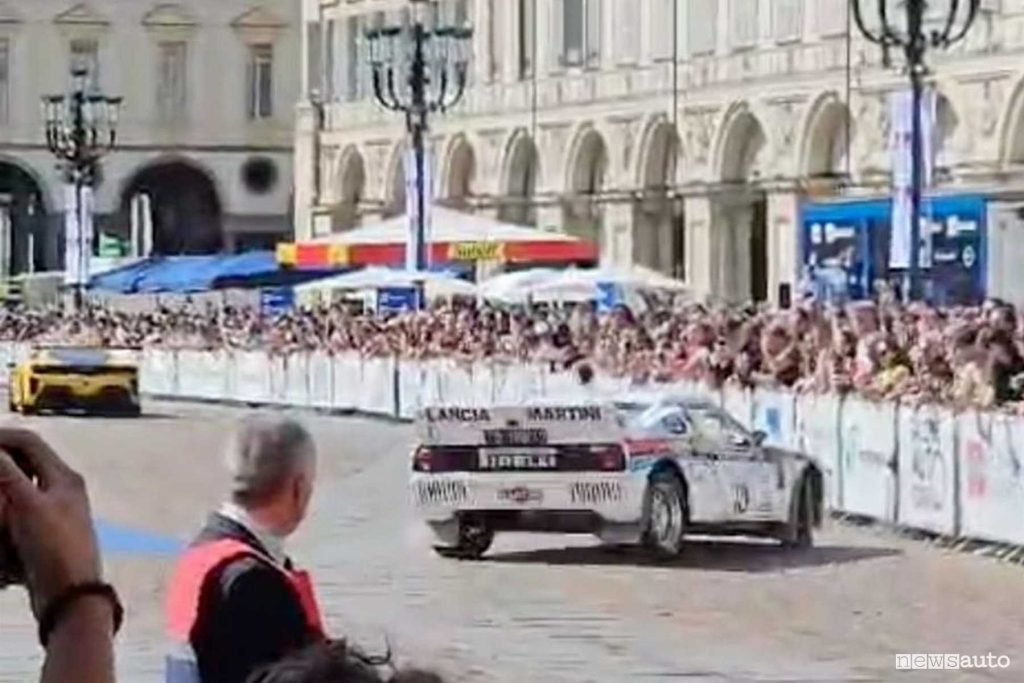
x=928 y=468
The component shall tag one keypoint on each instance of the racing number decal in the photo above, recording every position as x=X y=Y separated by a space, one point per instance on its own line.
x=740 y=498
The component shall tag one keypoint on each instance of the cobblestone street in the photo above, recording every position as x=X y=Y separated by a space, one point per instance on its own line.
x=540 y=608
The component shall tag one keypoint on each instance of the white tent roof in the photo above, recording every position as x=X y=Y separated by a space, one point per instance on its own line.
x=447 y=225
x=512 y=287
x=581 y=284
x=374 y=277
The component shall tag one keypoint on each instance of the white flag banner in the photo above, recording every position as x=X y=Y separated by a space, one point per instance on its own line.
x=901 y=146
x=72 y=237
x=412 y=205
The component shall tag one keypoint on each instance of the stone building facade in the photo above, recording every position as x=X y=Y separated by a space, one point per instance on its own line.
x=684 y=135
x=206 y=127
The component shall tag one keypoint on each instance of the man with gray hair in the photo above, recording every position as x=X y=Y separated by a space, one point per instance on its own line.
x=235 y=601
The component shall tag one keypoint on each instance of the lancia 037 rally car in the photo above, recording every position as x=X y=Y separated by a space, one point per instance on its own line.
x=89 y=380
x=647 y=469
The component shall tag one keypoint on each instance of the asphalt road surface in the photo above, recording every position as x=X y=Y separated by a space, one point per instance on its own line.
x=540 y=608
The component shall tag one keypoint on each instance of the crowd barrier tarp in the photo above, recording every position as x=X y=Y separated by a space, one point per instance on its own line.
x=377 y=395
x=412 y=388
x=252 y=377
x=296 y=380
x=348 y=377
x=774 y=413
x=278 y=368
x=736 y=401
x=321 y=381
x=202 y=375
x=483 y=384
x=6 y=358
x=817 y=435
x=991 y=451
x=926 y=455
x=158 y=373
x=456 y=384
x=868 y=459
x=564 y=386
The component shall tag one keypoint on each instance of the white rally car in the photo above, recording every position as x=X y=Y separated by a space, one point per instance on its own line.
x=646 y=469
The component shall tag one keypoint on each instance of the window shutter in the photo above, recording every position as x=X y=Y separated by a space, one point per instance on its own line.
x=557 y=31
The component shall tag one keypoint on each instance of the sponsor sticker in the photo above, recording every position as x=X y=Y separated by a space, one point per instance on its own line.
x=490 y=460
x=442 y=492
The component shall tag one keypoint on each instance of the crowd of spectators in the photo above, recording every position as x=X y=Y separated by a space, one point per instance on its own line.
x=961 y=356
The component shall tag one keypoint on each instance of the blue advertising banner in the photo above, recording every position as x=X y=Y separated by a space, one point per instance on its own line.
x=396 y=299
x=608 y=297
x=277 y=300
x=845 y=249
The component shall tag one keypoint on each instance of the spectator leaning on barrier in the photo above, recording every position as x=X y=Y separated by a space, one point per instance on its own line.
x=44 y=513
x=235 y=601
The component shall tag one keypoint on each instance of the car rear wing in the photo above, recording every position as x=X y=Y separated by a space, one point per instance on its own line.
x=519 y=426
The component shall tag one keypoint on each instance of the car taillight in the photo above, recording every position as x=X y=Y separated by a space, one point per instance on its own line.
x=422 y=460
x=609 y=458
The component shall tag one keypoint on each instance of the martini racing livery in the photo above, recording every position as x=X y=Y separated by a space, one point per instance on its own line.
x=646 y=469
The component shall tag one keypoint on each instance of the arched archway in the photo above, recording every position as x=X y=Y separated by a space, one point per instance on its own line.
x=394 y=188
x=351 y=184
x=825 y=155
x=739 y=215
x=588 y=165
x=184 y=205
x=659 y=228
x=947 y=124
x=460 y=172
x=22 y=200
x=520 y=181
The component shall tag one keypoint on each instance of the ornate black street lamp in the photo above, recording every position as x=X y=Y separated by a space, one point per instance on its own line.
x=914 y=39
x=419 y=69
x=81 y=128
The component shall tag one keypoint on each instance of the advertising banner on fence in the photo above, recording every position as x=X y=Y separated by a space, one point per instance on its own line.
x=252 y=376
x=817 y=435
x=348 y=377
x=927 y=450
x=868 y=459
x=321 y=381
x=991 y=476
x=738 y=402
x=774 y=414
x=296 y=379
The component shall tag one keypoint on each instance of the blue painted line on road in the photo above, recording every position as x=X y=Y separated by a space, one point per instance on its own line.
x=120 y=540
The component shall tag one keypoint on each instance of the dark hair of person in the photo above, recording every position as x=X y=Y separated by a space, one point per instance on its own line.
x=338 y=662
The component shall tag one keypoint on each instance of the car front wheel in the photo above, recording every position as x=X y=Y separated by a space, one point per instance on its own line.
x=665 y=508
x=799 y=531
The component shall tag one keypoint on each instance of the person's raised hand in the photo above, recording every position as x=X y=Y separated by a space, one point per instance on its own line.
x=48 y=518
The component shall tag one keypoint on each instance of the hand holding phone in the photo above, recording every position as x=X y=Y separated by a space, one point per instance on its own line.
x=46 y=517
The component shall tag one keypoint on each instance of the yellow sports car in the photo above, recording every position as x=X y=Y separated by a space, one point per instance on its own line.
x=90 y=380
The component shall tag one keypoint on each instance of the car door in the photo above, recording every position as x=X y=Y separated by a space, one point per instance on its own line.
x=744 y=477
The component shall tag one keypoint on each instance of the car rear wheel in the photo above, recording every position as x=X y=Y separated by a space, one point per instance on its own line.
x=799 y=531
x=475 y=539
x=665 y=508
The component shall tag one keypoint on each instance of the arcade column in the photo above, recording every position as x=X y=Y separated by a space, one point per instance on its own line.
x=306 y=165
x=783 y=243
x=617 y=235
x=701 y=268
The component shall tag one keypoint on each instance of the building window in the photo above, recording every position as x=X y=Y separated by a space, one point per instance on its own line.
x=702 y=26
x=85 y=54
x=527 y=37
x=353 y=40
x=494 y=39
x=743 y=24
x=627 y=31
x=663 y=29
x=581 y=33
x=260 y=82
x=788 y=19
x=172 y=81
x=327 y=70
x=5 y=80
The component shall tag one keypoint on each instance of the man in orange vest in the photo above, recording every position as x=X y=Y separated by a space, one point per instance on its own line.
x=235 y=601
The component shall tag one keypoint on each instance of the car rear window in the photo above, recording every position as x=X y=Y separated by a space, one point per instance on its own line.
x=79 y=356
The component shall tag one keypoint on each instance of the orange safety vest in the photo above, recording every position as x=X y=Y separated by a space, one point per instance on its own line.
x=186 y=587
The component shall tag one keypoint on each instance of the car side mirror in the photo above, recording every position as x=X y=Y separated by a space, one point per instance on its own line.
x=759 y=437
